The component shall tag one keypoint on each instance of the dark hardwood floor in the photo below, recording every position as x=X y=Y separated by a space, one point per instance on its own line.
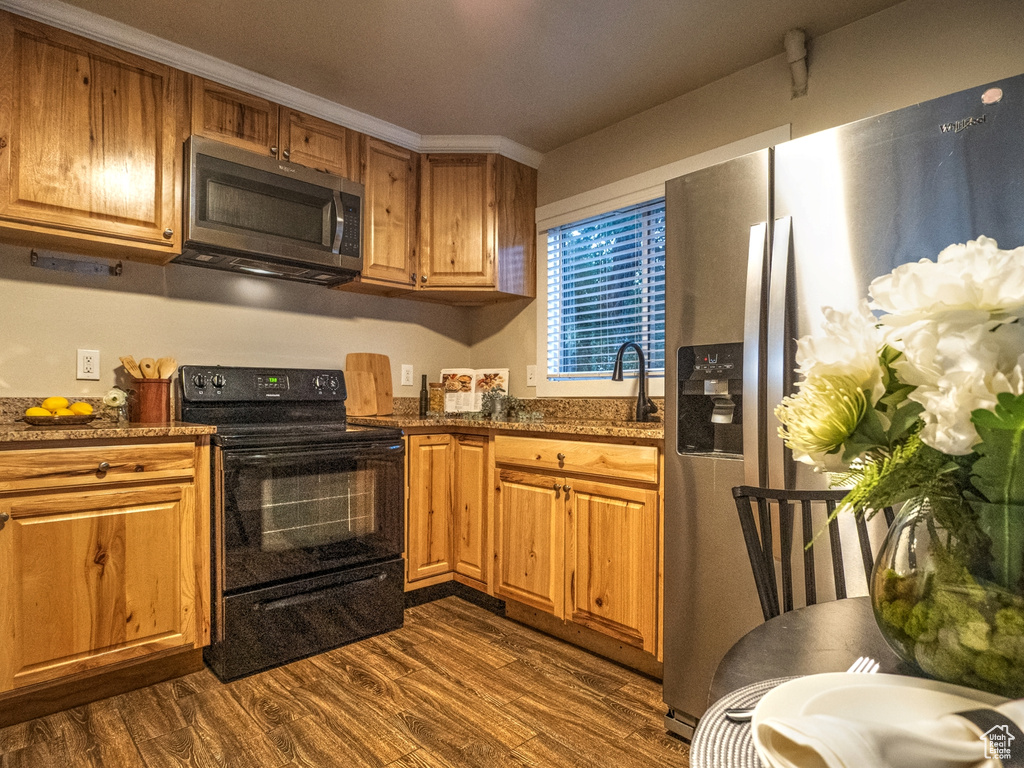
x=456 y=686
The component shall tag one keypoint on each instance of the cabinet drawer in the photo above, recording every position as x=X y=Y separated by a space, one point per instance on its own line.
x=95 y=465
x=628 y=462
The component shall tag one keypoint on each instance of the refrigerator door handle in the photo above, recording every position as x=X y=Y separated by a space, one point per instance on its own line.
x=753 y=379
x=778 y=291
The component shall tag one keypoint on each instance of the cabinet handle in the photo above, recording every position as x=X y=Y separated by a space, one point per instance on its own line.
x=560 y=457
x=103 y=467
x=4 y=517
x=273 y=151
x=566 y=488
x=168 y=233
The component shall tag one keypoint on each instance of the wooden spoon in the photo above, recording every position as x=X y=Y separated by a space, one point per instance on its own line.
x=148 y=366
x=165 y=367
x=132 y=367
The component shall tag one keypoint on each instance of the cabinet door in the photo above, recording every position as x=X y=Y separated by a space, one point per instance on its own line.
x=612 y=560
x=471 y=486
x=318 y=144
x=233 y=117
x=95 y=578
x=530 y=547
x=389 y=235
x=90 y=144
x=457 y=221
x=428 y=544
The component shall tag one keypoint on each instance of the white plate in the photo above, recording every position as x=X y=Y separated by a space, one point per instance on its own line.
x=869 y=698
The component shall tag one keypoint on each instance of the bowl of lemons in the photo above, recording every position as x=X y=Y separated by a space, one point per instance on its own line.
x=58 y=411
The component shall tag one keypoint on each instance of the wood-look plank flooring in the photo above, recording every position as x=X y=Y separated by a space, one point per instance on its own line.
x=456 y=686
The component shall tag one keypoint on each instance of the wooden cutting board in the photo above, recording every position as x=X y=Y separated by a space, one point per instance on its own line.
x=380 y=367
x=360 y=393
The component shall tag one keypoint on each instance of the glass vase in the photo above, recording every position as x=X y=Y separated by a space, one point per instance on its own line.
x=938 y=605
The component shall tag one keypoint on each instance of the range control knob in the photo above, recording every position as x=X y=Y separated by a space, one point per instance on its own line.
x=217 y=380
x=319 y=382
x=333 y=384
x=199 y=380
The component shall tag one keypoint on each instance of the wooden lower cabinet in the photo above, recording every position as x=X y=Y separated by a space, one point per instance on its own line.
x=447 y=528
x=98 y=575
x=612 y=561
x=530 y=546
x=428 y=543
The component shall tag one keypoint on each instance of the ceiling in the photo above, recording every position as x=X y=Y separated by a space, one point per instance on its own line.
x=539 y=72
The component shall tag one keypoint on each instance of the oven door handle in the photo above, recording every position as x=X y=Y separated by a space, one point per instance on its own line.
x=314 y=594
x=296 y=454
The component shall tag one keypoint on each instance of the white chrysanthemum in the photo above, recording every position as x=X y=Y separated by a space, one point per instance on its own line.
x=818 y=419
x=847 y=347
x=976 y=275
x=115 y=398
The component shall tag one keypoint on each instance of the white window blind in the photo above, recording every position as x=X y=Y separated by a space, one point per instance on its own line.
x=606 y=286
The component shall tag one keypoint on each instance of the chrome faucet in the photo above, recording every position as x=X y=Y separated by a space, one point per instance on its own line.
x=645 y=407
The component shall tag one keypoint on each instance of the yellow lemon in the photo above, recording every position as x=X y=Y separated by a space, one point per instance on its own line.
x=37 y=411
x=53 y=403
x=63 y=412
x=82 y=409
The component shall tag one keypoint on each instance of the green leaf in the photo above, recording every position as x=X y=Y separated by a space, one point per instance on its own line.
x=998 y=475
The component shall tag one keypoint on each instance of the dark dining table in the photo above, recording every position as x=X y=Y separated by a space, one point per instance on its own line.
x=826 y=637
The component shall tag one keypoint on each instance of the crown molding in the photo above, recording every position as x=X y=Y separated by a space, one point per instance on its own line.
x=119 y=35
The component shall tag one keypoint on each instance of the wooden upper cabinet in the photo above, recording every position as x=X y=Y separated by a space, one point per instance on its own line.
x=240 y=119
x=457 y=226
x=251 y=122
x=477 y=240
x=390 y=217
x=90 y=145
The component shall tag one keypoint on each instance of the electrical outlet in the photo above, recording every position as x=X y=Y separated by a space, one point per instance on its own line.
x=531 y=375
x=88 y=364
x=406 y=375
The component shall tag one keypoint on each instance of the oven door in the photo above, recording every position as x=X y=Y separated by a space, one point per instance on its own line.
x=289 y=512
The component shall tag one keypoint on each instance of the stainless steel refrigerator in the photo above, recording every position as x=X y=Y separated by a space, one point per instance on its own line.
x=755 y=247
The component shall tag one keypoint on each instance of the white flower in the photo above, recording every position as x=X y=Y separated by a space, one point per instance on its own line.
x=972 y=276
x=115 y=398
x=820 y=417
x=847 y=347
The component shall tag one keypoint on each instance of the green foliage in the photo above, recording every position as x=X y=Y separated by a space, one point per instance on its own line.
x=998 y=478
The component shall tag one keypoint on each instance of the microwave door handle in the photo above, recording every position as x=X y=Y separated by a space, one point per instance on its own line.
x=339 y=222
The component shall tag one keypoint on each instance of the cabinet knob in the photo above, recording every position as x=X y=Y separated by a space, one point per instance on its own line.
x=286 y=154
x=557 y=487
x=168 y=233
x=273 y=151
x=103 y=467
x=413 y=277
x=566 y=488
x=560 y=457
x=4 y=517
x=423 y=278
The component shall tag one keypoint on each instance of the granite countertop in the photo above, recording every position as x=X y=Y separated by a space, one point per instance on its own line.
x=594 y=428
x=16 y=432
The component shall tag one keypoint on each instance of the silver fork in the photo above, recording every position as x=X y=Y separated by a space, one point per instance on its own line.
x=864 y=665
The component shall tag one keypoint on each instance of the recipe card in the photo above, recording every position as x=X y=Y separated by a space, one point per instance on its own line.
x=464 y=387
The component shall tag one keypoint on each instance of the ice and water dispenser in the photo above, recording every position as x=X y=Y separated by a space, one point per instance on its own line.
x=711 y=399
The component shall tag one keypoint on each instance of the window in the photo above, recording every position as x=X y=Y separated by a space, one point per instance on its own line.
x=606 y=286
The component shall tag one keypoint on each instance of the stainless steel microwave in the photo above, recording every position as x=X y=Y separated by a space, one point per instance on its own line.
x=246 y=212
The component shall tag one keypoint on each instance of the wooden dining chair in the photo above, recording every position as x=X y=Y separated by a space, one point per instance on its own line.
x=756 y=507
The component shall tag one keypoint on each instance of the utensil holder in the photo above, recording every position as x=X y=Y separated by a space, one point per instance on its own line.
x=151 y=402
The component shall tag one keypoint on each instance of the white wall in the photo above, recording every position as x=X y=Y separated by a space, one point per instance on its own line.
x=909 y=53
x=204 y=317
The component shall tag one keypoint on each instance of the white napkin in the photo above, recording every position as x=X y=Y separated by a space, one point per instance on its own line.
x=827 y=741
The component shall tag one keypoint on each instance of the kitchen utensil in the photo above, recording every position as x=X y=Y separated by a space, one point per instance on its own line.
x=165 y=367
x=132 y=367
x=361 y=393
x=148 y=366
x=152 y=404
x=380 y=367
